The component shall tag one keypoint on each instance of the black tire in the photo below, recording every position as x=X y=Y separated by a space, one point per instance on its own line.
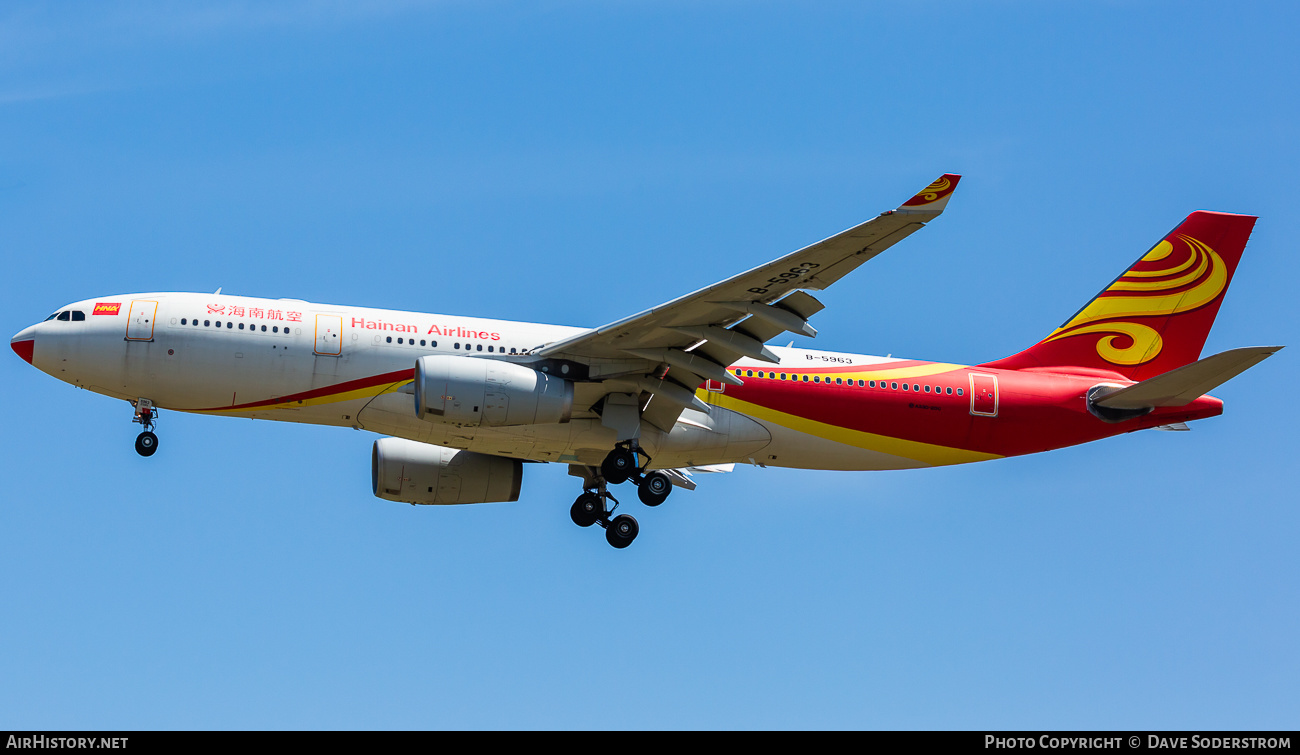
x=654 y=489
x=621 y=531
x=146 y=443
x=619 y=465
x=586 y=510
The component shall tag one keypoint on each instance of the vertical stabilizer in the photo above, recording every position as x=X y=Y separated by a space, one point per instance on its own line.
x=1156 y=316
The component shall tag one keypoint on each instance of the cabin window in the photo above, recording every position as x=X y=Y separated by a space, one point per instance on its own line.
x=263 y=328
x=949 y=390
x=241 y=326
x=480 y=347
x=817 y=378
x=433 y=344
x=959 y=392
x=183 y=321
x=456 y=345
x=839 y=381
x=276 y=329
x=927 y=389
x=893 y=386
x=207 y=323
x=916 y=387
x=390 y=339
x=229 y=325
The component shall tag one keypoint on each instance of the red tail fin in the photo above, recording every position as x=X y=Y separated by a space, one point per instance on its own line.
x=1155 y=316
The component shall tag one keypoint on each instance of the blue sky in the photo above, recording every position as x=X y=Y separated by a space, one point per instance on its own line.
x=574 y=163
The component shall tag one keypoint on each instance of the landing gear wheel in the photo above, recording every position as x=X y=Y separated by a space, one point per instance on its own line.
x=618 y=466
x=586 y=510
x=654 y=489
x=621 y=531
x=146 y=443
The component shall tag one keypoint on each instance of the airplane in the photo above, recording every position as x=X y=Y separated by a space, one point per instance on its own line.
x=687 y=387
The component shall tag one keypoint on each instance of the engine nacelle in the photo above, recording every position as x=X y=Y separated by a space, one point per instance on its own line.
x=411 y=472
x=471 y=392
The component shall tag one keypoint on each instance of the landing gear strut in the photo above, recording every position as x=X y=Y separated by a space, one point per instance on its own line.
x=622 y=464
x=590 y=509
x=146 y=443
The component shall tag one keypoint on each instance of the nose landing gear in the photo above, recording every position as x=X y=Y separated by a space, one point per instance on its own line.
x=146 y=443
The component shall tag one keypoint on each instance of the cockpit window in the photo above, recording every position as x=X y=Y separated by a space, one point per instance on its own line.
x=64 y=316
x=51 y=317
x=78 y=315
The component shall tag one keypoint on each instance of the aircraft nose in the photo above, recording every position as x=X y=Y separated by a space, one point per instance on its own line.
x=24 y=343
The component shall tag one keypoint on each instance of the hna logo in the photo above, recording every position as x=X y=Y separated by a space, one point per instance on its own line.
x=106 y=308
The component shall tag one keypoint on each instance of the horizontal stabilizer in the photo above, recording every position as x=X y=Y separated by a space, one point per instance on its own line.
x=1185 y=384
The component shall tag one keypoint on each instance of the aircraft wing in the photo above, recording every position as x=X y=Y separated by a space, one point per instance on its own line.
x=669 y=350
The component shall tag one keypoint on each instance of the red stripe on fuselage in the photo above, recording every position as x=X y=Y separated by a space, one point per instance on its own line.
x=1036 y=412
x=329 y=390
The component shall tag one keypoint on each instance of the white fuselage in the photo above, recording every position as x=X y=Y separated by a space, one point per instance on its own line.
x=298 y=361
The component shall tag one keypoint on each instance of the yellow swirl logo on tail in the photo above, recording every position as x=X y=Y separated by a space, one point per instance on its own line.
x=1185 y=285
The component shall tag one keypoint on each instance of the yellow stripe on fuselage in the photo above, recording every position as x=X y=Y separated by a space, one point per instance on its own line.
x=926 y=453
x=333 y=398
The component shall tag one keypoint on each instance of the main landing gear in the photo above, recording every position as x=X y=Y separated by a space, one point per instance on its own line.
x=618 y=467
x=590 y=509
x=622 y=465
x=146 y=443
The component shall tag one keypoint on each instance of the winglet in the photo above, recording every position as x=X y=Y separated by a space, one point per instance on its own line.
x=934 y=197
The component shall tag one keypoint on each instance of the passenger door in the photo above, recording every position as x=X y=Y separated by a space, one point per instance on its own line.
x=140 y=320
x=329 y=335
x=983 y=395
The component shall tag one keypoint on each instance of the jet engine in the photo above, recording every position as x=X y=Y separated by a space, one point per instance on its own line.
x=410 y=472
x=471 y=392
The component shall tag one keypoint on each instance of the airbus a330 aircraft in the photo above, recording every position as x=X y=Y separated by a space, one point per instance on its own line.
x=687 y=386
